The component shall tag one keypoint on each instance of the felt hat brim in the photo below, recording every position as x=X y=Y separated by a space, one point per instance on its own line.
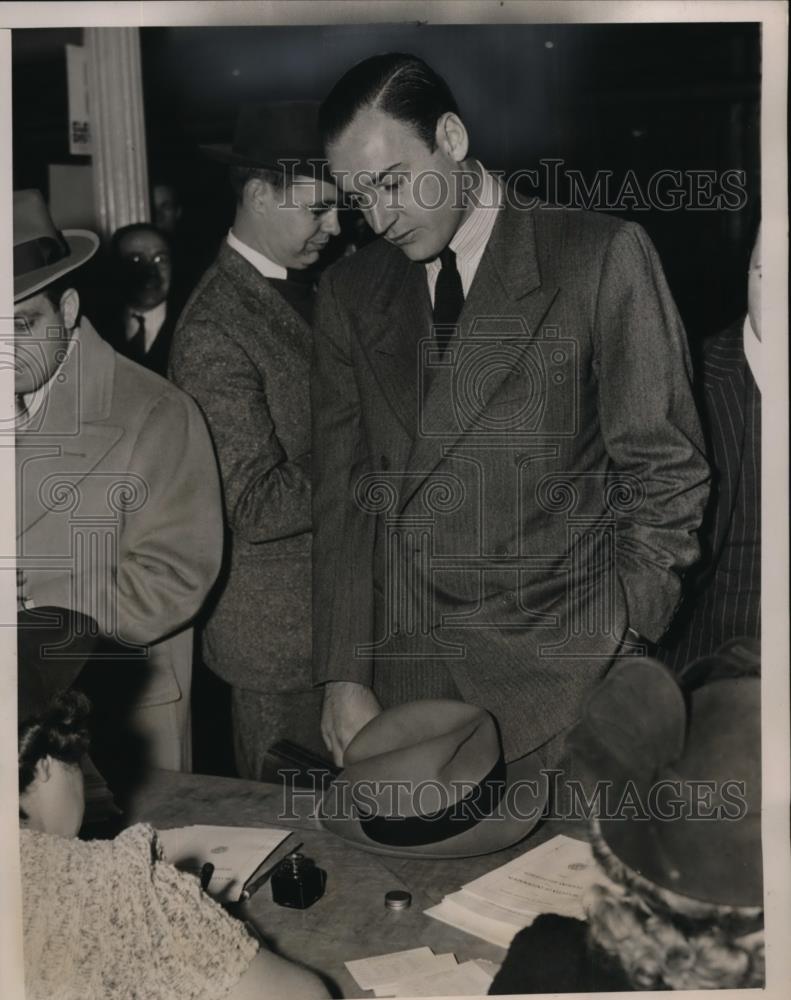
x=519 y=810
x=82 y=246
x=224 y=153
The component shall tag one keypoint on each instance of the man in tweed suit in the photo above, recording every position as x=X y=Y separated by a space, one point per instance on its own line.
x=508 y=472
x=723 y=598
x=242 y=349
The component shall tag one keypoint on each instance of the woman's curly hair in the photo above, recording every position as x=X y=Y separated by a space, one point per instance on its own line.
x=663 y=940
x=60 y=731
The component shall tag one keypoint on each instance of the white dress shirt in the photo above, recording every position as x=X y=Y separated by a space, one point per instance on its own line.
x=752 y=351
x=268 y=268
x=473 y=234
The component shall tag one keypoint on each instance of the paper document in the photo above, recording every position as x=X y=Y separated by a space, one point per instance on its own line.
x=370 y=972
x=477 y=917
x=551 y=878
x=235 y=851
x=466 y=980
x=441 y=963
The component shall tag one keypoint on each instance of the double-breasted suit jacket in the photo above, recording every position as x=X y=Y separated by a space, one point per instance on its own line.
x=510 y=508
x=119 y=513
x=243 y=353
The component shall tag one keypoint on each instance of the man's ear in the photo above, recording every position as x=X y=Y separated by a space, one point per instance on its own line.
x=43 y=768
x=451 y=136
x=70 y=307
x=257 y=194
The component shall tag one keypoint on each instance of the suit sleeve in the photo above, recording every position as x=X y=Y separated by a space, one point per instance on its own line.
x=650 y=427
x=266 y=493
x=171 y=546
x=342 y=534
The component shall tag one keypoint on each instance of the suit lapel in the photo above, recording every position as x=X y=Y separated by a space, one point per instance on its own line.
x=73 y=436
x=506 y=301
x=400 y=317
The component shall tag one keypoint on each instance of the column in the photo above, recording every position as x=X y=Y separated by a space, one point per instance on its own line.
x=120 y=174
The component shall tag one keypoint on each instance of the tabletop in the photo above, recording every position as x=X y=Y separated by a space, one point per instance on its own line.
x=350 y=921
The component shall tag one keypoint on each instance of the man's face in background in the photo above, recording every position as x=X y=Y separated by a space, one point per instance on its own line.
x=296 y=222
x=145 y=268
x=167 y=208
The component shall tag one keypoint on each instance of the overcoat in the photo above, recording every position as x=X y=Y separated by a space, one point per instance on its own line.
x=118 y=508
x=508 y=508
x=243 y=353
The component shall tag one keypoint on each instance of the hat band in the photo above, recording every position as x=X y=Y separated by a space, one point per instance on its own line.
x=417 y=831
x=38 y=253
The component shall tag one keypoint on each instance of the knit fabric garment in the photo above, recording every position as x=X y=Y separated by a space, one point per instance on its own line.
x=110 y=920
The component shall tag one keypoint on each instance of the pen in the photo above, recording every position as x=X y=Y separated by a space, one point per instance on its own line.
x=253 y=887
x=206 y=873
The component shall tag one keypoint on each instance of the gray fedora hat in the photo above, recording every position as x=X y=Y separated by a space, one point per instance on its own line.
x=42 y=253
x=427 y=780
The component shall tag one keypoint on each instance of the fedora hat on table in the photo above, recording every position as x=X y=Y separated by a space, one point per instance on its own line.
x=427 y=780
x=42 y=253
x=267 y=135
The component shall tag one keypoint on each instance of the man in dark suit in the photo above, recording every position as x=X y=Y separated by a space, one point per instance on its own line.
x=723 y=596
x=242 y=349
x=508 y=466
x=143 y=316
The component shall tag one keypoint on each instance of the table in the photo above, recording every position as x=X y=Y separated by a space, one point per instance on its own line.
x=350 y=921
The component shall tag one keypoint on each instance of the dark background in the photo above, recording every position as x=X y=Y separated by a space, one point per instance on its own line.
x=601 y=97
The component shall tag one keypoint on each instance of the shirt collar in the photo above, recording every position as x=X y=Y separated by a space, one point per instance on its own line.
x=154 y=318
x=752 y=350
x=266 y=267
x=473 y=234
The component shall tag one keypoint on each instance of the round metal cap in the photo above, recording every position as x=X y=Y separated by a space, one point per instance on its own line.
x=398 y=899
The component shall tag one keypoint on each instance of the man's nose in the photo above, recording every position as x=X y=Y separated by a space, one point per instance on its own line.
x=329 y=222
x=379 y=217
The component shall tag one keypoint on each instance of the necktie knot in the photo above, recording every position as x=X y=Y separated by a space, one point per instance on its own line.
x=447 y=259
x=137 y=342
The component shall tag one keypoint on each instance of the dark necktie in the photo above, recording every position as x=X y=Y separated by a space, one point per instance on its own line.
x=137 y=342
x=448 y=298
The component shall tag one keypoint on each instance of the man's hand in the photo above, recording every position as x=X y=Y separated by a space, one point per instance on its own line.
x=347 y=708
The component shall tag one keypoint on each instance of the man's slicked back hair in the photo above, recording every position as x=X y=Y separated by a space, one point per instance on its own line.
x=400 y=85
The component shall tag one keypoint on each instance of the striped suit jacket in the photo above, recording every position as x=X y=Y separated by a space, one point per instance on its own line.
x=723 y=596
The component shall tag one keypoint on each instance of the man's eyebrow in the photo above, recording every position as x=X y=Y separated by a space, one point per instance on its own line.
x=377 y=178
